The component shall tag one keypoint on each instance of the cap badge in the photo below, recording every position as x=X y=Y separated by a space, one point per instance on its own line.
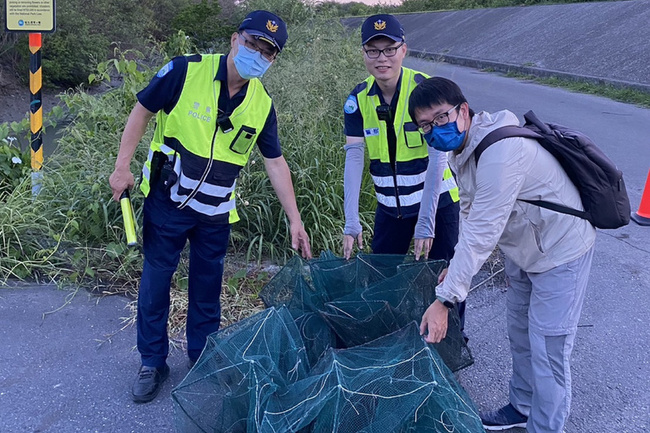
x=271 y=26
x=380 y=25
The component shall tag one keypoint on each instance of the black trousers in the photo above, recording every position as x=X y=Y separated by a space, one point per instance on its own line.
x=393 y=236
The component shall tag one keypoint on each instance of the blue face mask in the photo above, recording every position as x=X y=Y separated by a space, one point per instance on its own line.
x=250 y=63
x=446 y=137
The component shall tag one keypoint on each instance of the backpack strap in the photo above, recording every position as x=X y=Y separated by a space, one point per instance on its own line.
x=558 y=208
x=517 y=131
x=501 y=133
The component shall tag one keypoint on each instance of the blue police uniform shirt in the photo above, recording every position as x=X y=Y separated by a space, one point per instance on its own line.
x=165 y=87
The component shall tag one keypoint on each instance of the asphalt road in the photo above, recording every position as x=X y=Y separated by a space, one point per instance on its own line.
x=68 y=367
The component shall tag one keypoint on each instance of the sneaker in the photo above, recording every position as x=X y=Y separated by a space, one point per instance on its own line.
x=147 y=384
x=503 y=419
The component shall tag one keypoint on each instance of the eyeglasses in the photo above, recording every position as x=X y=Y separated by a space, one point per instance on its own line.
x=268 y=54
x=374 y=53
x=440 y=120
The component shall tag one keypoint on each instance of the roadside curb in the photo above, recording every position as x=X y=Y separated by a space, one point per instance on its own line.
x=528 y=70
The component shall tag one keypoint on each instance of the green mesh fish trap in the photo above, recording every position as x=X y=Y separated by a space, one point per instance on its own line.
x=362 y=299
x=396 y=383
x=338 y=350
x=239 y=369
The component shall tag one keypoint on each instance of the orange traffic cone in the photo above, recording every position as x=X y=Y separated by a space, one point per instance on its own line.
x=642 y=216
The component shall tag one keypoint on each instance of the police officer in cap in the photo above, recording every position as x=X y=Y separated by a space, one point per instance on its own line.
x=411 y=179
x=210 y=110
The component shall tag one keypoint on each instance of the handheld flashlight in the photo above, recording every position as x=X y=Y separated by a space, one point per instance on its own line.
x=129 y=218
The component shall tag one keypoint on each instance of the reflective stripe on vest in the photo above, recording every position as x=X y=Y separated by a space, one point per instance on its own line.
x=146 y=170
x=400 y=188
x=207 y=160
x=402 y=180
x=405 y=200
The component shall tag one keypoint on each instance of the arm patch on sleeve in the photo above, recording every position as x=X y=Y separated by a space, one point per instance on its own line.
x=165 y=69
x=351 y=105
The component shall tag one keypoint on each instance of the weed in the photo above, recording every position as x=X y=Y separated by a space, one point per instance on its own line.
x=616 y=93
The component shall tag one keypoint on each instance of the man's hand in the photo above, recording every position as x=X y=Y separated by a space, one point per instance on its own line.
x=348 y=244
x=300 y=240
x=120 y=180
x=422 y=248
x=434 y=322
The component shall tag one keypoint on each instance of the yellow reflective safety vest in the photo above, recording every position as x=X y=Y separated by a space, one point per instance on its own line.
x=206 y=159
x=398 y=191
x=449 y=185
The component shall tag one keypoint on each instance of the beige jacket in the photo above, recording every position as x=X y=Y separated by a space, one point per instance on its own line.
x=536 y=239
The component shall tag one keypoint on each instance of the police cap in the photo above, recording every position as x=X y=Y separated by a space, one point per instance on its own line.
x=381 y=25
x=267 y=27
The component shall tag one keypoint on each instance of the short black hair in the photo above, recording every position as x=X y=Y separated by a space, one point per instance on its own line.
x=435 y=91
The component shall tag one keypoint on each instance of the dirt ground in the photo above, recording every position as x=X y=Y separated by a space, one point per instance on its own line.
x=15 y=97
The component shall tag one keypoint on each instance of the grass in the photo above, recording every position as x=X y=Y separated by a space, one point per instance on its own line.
x=616 y=93
x=239 y=295
x=309 y=90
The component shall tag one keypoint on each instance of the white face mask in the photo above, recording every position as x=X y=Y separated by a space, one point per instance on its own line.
x=250 y=63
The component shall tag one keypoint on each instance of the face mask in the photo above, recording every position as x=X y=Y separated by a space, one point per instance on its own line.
x=250 y=63
x=446 y=137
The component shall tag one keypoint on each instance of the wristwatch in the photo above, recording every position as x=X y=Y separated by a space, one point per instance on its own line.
x=446 y=303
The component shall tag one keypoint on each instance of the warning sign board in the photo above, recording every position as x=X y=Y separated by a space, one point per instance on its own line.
x=34 y=16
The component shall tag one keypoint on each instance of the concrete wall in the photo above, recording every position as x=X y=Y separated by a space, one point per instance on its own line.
x=602 y=41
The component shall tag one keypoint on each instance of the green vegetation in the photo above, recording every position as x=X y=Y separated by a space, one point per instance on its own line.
x=352 y=9
x=627 y=95
x=73 y=231
x=311 y=130
x=13 y=165
x=88 y=32
x=203 y=23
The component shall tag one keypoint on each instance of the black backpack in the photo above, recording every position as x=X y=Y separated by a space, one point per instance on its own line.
x=599 y=182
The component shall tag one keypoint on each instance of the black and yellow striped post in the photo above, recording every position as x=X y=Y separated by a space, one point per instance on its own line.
x=36 y=110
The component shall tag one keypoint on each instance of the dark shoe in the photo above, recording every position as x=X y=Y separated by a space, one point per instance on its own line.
x=147 y=384
x=503 y=419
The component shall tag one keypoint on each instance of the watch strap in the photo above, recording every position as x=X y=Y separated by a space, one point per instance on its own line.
x=446 y=303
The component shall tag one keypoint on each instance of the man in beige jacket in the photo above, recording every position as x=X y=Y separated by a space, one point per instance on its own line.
x=548 y=254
